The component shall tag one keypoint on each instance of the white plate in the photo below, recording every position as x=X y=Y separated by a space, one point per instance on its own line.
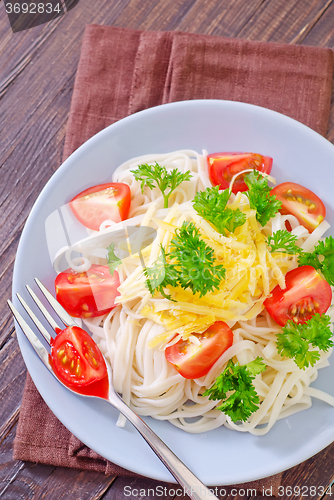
x=221 y=456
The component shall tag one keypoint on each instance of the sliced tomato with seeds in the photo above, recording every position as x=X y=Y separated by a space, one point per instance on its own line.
x=78 y=362
x=306 y=293
x=102 y=202
x=194 y=361
x=88 y=294
x=223 y=166
x=299 y=201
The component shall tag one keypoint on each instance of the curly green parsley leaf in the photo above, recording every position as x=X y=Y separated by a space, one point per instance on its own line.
x=112 y=259
x=161 y=274
x=324 y=250
x=157 y=175
x=189 y=264
x=234 y=387
x=260 y=199
x=295 y=341
x=283 y=241
x=211 y=205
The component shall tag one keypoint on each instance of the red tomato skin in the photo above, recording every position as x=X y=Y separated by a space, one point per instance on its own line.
x=310 y=220
x=89 y=294
x=222 y=167
x=100 y=388
x=304 y=286
x=78 y=363
x=214 y=342
x=92 y=209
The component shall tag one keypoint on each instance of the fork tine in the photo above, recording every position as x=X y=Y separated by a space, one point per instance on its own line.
x=44 y=311
x=32 y=315
x=31 y=336
x=63 y=315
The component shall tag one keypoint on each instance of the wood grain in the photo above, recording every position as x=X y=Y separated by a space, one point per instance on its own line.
x=281 y=21
x=311 y=474
x=37 y=73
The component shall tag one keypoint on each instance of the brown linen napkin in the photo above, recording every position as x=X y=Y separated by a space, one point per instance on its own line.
x=124 y=71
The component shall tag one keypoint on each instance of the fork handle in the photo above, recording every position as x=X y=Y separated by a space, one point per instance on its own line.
x=192 y=486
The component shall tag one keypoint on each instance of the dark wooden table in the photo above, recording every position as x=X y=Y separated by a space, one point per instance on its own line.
x=37 y=70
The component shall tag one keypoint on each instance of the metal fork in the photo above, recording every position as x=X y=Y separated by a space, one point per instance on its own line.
x=192 y=486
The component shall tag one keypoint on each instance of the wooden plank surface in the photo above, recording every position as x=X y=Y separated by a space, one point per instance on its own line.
x=36 y=81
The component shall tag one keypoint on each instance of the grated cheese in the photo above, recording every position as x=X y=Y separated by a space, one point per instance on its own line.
x=251 y=273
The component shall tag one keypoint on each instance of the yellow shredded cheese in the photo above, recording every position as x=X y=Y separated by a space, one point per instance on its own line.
x=251 y=273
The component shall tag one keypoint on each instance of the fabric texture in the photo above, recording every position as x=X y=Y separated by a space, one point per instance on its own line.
x=124 y=71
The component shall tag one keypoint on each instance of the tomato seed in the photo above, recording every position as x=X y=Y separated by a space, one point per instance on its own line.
x=60 y=353
x=64 y=359
x=290 y=197
x=303 y=306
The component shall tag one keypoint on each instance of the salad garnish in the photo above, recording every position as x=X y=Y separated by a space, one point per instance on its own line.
x=260 y=199
x=324 y=250
x=244 y=400
x=161 y=274
x=189 y=264
x=211 y=205
x=150 y=174
x=296 y=339
x=284 y=242
x=321 y=259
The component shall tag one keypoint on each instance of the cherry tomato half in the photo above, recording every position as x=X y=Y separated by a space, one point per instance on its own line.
x=300 y=202
x=193 y=361
x=103 y=202
x=89 y=294
x=306 y=293
x=78 y=362
x=223 y=166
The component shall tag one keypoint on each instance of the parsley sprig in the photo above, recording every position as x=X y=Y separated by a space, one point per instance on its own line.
x=211 y=205
x=295 y=341
x=236 y=390
x=324 y=250
x=161 y=274
x=285 y=242
x=157 y=175
x=112 y=259
x=260 y=199
x=322 y=257
x=189 y=264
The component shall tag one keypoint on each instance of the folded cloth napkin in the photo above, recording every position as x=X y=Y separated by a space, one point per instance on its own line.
x=124 y=71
